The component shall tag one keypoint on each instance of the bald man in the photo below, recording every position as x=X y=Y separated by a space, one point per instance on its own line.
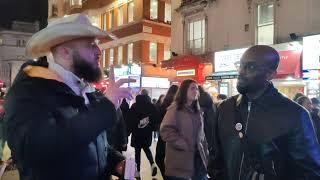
x=261 y=134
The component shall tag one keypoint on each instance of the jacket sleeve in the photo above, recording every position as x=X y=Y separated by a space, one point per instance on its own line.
x=39 y=134
x=304 y=150
x=170 y=133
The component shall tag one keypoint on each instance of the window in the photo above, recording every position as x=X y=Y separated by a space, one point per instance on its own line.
x=153 y=9
x=111 y=19
x=54 y=10
x=20 y=43
x=120 y=16
x=130 y=53
x=130 y=11
x=196 y=36
x=153 y=52
x=167 y=15
x=75 y=2
x=120 y=55
x=111 y=56
x=1 y=41
x=103 y=58
x=265 y=29
x=167 y=52
x=105 y=21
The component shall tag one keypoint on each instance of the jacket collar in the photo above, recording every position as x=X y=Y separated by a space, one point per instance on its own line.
x=266 y=97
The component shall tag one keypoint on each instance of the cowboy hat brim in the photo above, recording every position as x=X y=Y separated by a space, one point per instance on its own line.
x=42 y=42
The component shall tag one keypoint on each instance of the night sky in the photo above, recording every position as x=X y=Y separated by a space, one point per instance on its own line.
x=23 y=10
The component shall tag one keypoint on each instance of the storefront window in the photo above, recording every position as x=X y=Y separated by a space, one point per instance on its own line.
x=265 y=24
x=196 y=36
x=130 y=11
x=167 y=15
x=130 y=53
x=120 y=55
x=153 y=52
x=153 y=9
x=111 y=56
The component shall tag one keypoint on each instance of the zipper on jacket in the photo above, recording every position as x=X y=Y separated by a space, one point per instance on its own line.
x=245 y=132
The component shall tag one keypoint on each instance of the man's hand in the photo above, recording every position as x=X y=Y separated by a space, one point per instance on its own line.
x=114 y=93
x=120 y=168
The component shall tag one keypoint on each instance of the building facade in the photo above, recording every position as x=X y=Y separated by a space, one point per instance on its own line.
x=220 y=26
x=143 y=29
x=12 y=49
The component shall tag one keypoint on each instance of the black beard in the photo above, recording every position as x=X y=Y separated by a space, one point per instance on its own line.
x=251 y=87
x=85 y=70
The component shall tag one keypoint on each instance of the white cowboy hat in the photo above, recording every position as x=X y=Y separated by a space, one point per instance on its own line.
x=62 y=30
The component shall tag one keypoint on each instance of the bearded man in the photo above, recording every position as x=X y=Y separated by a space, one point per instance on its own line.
x=56 y=122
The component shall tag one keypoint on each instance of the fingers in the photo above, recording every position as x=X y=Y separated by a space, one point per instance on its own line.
x=120 y=82
x=111 y=75
x=125 y=93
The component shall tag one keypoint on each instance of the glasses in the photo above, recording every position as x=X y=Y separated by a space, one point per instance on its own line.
x=248 y=67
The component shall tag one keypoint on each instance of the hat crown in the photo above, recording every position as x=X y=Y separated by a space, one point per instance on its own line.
x=74 y=19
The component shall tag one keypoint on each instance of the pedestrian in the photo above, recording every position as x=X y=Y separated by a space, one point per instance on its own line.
x=297 y=95
x=158 y=106
x=161 y=145
x=56 y=122
x=182 y=130
x=142 y=118
x=306 y=103
x=208 y=109
x=221 y=97
x=260 y=133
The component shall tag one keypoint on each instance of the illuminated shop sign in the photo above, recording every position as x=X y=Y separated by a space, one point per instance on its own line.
x=188 y=72
x=311 y=52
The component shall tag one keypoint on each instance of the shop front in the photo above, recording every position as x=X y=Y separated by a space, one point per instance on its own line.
x=288 y=78
x=311 y=65
x=189 y=67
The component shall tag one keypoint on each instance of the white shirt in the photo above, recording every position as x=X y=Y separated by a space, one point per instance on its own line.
x=79 y=86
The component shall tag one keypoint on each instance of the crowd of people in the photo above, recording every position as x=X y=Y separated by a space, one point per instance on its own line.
x=59 y=127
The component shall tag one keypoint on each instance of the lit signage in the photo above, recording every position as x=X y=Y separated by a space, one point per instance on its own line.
x=311 y=52
x=155 y=82
x=224 y=60
x=188 y=72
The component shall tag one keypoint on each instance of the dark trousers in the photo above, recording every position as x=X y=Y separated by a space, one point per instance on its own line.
x=160 y=155
x=138 y=156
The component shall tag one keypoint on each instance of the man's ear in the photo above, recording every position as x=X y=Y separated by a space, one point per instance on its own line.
x=66 y=52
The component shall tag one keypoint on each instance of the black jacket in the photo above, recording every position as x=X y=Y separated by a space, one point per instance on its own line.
x=117 y=135
x=143 y=116
x=52 y=133
x=279 y=144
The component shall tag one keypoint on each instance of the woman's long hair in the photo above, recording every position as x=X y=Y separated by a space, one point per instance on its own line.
x=168 y=99
x=182 y=96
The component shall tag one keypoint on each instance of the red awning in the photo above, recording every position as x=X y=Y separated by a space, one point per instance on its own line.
x=185 y=61
x=289 y=65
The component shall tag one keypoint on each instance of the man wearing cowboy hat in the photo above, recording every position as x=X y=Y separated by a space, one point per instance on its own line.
x=56 y=122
